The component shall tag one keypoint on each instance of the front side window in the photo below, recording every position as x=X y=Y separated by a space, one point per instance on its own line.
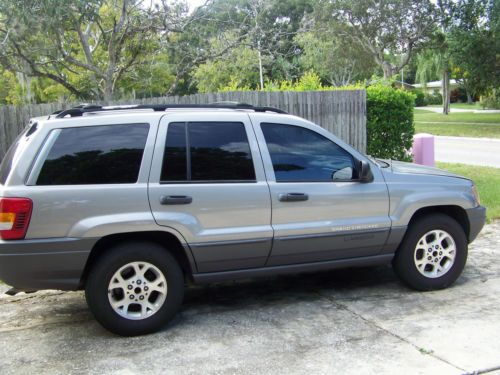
x=107 y=154
x=300 y=154
x=207 y=152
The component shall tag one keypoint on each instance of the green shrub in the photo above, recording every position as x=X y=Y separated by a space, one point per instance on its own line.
x=389 y=122
x=434 y=98
x=420 y=100
x=491 y=100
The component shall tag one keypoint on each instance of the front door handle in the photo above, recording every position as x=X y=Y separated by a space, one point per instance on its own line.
x=175 y=199
x=293 y=197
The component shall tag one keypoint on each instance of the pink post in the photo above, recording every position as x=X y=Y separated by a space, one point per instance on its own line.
x=423 y=149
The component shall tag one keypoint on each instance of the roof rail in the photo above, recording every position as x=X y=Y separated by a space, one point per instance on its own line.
x=85 y=108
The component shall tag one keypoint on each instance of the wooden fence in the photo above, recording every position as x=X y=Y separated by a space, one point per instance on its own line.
x=342 y=112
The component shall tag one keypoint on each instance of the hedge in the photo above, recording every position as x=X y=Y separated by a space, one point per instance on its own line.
x=420 y=100
x=389 y=122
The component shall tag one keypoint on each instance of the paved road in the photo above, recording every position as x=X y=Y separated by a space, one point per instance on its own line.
x=475 y=151
x=356 y=321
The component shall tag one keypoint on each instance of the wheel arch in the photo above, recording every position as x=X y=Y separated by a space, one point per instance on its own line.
x=455 y=212
x=171 y=243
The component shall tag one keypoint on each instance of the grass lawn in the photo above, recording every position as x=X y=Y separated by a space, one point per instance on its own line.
x=458 y=124
x=459 y=130
x=473 y=106
x=486 y=118
x=487 y=180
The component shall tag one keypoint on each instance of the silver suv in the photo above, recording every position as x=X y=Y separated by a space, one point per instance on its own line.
x=131 y=203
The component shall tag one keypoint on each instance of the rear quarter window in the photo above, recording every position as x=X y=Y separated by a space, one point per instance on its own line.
x=13 y=152
x=105 y=154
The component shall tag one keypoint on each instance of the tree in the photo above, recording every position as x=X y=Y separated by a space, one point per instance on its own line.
x=436 y=58
x=474 y=43
x=337 y=61
x=267 y=27
x=464 y=43
x=86 y=46
x=435 y=62
x=238 y=68
x=384 y=28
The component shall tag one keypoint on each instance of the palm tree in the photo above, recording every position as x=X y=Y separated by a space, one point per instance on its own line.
x=433 y=62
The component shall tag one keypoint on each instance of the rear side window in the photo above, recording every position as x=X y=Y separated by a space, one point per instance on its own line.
x=107 y=154
x=207 y=152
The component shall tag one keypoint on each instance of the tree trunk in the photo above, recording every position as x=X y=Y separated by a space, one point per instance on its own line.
x=388 y=70
x=469 y=97
x=445 y=85
x=261 y=74
x=107 y=92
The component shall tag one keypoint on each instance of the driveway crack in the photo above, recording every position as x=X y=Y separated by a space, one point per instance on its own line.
x=395 y=335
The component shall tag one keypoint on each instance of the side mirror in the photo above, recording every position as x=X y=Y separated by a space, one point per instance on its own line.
x=364 y=172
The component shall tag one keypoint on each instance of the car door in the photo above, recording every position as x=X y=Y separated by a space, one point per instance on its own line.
x=320 y=211
x=207 y=181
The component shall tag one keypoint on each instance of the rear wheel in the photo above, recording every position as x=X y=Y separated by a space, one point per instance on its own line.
x=135 y=288
x=433 y=253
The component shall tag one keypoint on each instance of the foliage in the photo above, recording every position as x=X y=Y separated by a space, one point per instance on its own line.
x=239 y=70
x=390 y=30
x=458 y=95
x=474 y=43
x=8 y=88
x=434 y=62
x=491 y=100
x=70 y=50
x=266 y=27
x=309 y=81
x=389 y=122
x=420 y=99
x=434 y=98
x=85 y=46
x=336 y=60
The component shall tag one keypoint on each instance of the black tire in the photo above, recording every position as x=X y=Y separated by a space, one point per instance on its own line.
x=404 y=261
x=96 y=288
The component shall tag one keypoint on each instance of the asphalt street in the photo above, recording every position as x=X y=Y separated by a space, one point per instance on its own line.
x=474 y=151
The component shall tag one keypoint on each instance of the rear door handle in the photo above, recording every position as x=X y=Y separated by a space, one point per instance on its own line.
x=175 y=199
x=293 y=197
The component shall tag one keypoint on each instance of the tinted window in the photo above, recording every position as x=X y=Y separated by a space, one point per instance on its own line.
x=300 y=154
x=109 y=154
x=6 y=165
x=220 y=151
x=175 y=157
x=212 y=151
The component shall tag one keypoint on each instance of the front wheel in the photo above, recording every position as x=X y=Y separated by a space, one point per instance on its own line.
x=433 y=253
x=135 y=288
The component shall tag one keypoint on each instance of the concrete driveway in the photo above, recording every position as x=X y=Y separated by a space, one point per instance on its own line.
x=357 y=321
x=475 y=151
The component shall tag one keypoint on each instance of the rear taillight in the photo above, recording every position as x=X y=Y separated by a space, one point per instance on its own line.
x=15 y=214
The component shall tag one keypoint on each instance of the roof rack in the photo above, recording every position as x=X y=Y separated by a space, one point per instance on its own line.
x=85 y=108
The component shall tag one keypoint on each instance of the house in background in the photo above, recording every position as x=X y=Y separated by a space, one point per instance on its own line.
x=430 y=87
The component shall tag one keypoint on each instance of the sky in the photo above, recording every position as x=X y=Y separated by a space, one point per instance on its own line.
x=195 y=3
